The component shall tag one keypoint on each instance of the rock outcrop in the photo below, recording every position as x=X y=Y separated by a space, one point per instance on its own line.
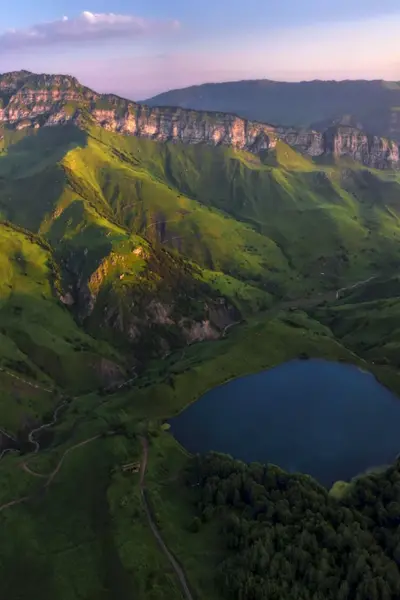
x=147 y=297
x=28 y=100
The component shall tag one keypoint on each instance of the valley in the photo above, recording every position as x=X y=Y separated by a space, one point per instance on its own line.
x=147 y=257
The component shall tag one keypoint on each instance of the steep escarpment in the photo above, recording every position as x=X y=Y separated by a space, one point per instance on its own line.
x=371 y=150
x=33 y=101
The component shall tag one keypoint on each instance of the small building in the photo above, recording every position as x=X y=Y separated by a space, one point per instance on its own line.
x=133 y=467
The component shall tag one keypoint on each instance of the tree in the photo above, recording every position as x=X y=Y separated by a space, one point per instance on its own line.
x=195 y=525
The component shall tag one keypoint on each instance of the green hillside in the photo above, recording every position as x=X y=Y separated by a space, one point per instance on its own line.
x=90 y=525
x=40 y=341
x=134 y=277
x=366 y=319
x=249 y=217
x=151 y=241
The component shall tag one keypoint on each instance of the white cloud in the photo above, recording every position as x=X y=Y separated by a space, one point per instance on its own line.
x=86 y=27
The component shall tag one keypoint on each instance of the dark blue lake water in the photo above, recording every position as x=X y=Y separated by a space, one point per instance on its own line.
x=330 y=420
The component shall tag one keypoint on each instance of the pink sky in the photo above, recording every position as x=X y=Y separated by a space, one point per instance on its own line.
x=152 y=56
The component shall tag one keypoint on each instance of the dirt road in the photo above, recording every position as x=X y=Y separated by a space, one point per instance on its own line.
x=175 y=565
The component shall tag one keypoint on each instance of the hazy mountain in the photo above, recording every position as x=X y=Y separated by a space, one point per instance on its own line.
x=371 y=105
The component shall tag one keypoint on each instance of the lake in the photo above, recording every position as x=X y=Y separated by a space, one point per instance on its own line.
x=330 y=420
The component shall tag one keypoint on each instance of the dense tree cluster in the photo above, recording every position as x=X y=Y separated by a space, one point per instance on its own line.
x=288 y=539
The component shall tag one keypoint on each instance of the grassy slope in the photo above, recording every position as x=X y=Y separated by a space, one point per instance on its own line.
x=296 y=220
x=84 y=218
x=99 y=545
x=367 y=320
x=244 y=216
x=40 y=341
x=346 y=212
x=130 y=177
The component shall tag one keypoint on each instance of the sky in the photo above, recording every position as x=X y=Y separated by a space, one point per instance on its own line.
x=140 y=48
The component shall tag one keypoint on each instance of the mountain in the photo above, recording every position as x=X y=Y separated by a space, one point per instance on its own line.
x=169 y=225
x=33 y=101
x=373 y=106
x=148 y=255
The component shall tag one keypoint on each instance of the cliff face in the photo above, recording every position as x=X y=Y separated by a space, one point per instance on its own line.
x=162 y=307
x=28 y=100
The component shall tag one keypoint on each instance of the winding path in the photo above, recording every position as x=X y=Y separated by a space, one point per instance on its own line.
x=68 y=451
x=54 y=420
x=355 y=285
x=8 y=451
x=52 y=475
x=174 y=563
x=6 y=434
x=27 y=469
x=32 y=433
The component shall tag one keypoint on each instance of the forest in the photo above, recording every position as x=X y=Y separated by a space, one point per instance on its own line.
x=286 y=537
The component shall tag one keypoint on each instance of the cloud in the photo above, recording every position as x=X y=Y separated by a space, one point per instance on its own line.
x=86 y=27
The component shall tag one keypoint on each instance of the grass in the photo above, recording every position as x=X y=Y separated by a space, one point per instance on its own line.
x=258 y=345
x=228 y=211
x=40 y=341
x=175 y=509
x=83 y=559
x=135 y=223
x=78 y=538
x=90 y=526
x=366 y=319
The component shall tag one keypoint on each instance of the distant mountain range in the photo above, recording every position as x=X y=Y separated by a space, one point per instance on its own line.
x=373 y=106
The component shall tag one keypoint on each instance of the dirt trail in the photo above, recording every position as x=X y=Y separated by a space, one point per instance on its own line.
x=25 y=381
x=8 y=435
x=355 y=285
x=13 y=503
x=175 y=565
x=45 y=426
x=49 y=477
x=8 y=451
x=58 y=467
x=27 y=469
x=36 y=430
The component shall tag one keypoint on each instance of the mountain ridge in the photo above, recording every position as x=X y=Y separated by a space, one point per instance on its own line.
x=33 y=101
x=372 y=103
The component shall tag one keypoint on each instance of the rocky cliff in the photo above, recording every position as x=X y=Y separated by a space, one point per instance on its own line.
x=368 y=105
x=28 y=100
